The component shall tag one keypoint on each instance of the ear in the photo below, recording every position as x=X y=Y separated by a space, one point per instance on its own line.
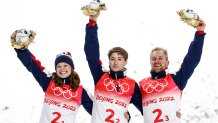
x=126 y=62
x=167 y=63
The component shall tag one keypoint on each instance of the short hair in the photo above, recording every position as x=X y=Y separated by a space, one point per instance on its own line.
x=160 y=49
x=118 y=50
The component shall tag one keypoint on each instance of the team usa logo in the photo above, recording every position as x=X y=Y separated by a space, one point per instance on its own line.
x=67 y=93
x=113 y=85
x=152 y=86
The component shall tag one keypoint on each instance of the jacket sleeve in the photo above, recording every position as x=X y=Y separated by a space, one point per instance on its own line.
x=87 y=102
x=190 y=61
x=137 y=98
x=34 y=66
x=91 y=49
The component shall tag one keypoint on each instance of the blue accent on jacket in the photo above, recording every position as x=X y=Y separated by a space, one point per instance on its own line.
x=189 y=63
x=26 y=56
x=91 y=49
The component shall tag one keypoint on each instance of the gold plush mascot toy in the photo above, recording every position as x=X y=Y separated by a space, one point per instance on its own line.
x=22 y=38
x=189 y=16
x=94 y=7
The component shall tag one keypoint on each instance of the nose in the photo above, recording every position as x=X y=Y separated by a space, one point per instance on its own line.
x=61 y=68
x=115 y=61
x=156 y=60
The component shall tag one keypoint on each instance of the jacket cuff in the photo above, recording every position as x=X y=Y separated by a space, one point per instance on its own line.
x=91 y=23
x=200 y=32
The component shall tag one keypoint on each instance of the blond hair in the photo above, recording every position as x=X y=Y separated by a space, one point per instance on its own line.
x=160 y=49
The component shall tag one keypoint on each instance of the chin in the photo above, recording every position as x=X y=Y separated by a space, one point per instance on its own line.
x=156 y=70
x=63 y=76
x=115 y=69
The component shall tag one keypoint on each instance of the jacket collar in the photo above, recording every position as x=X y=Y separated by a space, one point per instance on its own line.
x=66 y=80
x=117 y=74
x=158 y=75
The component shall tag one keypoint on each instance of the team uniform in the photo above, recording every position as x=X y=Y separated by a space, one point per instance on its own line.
x=161 y=93
x=60 y=103
x=114 y=91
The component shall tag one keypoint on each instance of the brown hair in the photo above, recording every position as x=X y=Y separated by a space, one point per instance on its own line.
x=118 y=50
x=74 y=80
x=160 y=49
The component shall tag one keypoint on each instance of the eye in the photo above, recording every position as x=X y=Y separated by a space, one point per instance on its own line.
x=25 y=32
x=120 y=59
x=65 y=65
x=112 y=59
x=189 y=10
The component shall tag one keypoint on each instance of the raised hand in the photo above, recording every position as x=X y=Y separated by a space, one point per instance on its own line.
x=21 y=39
x=201 y=26
x=94 y=17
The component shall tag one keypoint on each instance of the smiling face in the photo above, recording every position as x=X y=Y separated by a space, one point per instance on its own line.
x=63 y=70
x=159 y=60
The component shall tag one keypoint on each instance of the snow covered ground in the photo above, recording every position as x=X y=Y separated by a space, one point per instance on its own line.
x=137 y=25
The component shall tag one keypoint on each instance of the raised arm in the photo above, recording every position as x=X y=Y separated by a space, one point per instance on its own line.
x=91 y=49
x=34 y=66
x=192 y=58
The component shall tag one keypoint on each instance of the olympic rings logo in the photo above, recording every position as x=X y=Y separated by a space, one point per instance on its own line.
x=110 y=86
x=67 y=93
x=149 y=87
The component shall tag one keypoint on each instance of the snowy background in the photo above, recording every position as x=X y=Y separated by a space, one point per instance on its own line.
x=136 y=25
